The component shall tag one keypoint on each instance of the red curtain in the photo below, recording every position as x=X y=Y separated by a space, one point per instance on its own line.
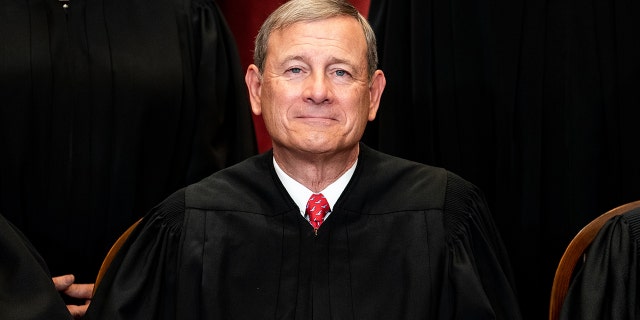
x=244 y=18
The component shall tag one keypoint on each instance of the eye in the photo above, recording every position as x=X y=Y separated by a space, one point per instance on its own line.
x=295 y=70
x=341 y=73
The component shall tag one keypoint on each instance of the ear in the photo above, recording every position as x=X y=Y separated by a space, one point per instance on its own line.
x=378 y=82
x=253 y=79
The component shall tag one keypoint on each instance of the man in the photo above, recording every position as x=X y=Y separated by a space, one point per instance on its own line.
x=393 y=240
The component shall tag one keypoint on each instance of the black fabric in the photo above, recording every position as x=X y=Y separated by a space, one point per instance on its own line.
x=26 y=289
x=534 y=101
x=404 y=241
x=606 y=284
x=106 y=109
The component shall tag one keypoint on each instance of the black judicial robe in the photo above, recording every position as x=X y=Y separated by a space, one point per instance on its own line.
x=404 y=241
x=606 y=284
x=26 y=289
x=106 y=108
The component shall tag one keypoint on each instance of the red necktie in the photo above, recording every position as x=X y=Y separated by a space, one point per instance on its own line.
x=317 y=209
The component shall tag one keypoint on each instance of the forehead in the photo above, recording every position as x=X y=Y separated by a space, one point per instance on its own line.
x=342 y=35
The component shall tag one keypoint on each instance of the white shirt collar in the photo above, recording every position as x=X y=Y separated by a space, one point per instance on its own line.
x=300 y=194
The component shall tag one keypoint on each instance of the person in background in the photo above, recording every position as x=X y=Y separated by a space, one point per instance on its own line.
x=106 y=108
x=321 y=226
x=83 y=292
x=26 y=289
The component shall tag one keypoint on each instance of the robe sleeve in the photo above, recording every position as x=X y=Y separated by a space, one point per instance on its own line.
x=606 y=284
x=142 y=279
x=26 y=288
x=225 y=133
x=479 y=282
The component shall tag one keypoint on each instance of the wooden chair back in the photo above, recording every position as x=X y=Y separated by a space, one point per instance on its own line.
x=112 y=253
x=574 y=252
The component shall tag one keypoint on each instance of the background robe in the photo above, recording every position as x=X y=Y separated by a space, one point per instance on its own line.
x=105 y=109
x=26 y=289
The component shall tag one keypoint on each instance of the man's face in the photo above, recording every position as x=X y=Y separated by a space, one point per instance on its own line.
x=315 y=94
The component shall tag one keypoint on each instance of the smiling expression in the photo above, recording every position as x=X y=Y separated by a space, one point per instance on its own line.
x=314 y=94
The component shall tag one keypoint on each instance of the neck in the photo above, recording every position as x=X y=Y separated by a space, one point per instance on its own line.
x=316 y=171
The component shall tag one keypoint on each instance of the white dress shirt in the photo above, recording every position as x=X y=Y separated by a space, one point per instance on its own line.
x=301 y=194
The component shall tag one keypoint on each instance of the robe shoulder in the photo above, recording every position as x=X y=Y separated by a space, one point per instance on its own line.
x=251 y=186
x=391 y=184
x=381 y=184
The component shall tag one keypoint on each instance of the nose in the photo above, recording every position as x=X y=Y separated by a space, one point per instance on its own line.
x=317 y=88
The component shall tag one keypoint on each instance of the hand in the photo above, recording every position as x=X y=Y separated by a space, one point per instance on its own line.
x=65 y=285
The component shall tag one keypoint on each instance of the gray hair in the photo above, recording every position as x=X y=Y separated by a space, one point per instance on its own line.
x=312 y=10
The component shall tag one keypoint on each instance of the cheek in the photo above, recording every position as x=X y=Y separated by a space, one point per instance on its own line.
x=357 y=120
x=271 y=118
x=363 y=103
x=270 y=101
x=274 y=115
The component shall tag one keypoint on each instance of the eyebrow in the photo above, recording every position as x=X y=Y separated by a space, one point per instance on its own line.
x=291 y=58
x=332 y=61
x=342 y=61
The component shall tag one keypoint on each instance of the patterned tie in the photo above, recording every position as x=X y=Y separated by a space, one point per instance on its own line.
x=317 y=209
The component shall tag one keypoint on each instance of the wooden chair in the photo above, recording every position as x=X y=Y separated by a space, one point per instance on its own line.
x=574 y=252
x=112 y=253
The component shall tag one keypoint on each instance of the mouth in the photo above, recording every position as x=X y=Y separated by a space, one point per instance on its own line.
x=324 y=120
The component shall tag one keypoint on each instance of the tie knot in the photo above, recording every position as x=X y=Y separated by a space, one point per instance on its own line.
x=317 y=209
